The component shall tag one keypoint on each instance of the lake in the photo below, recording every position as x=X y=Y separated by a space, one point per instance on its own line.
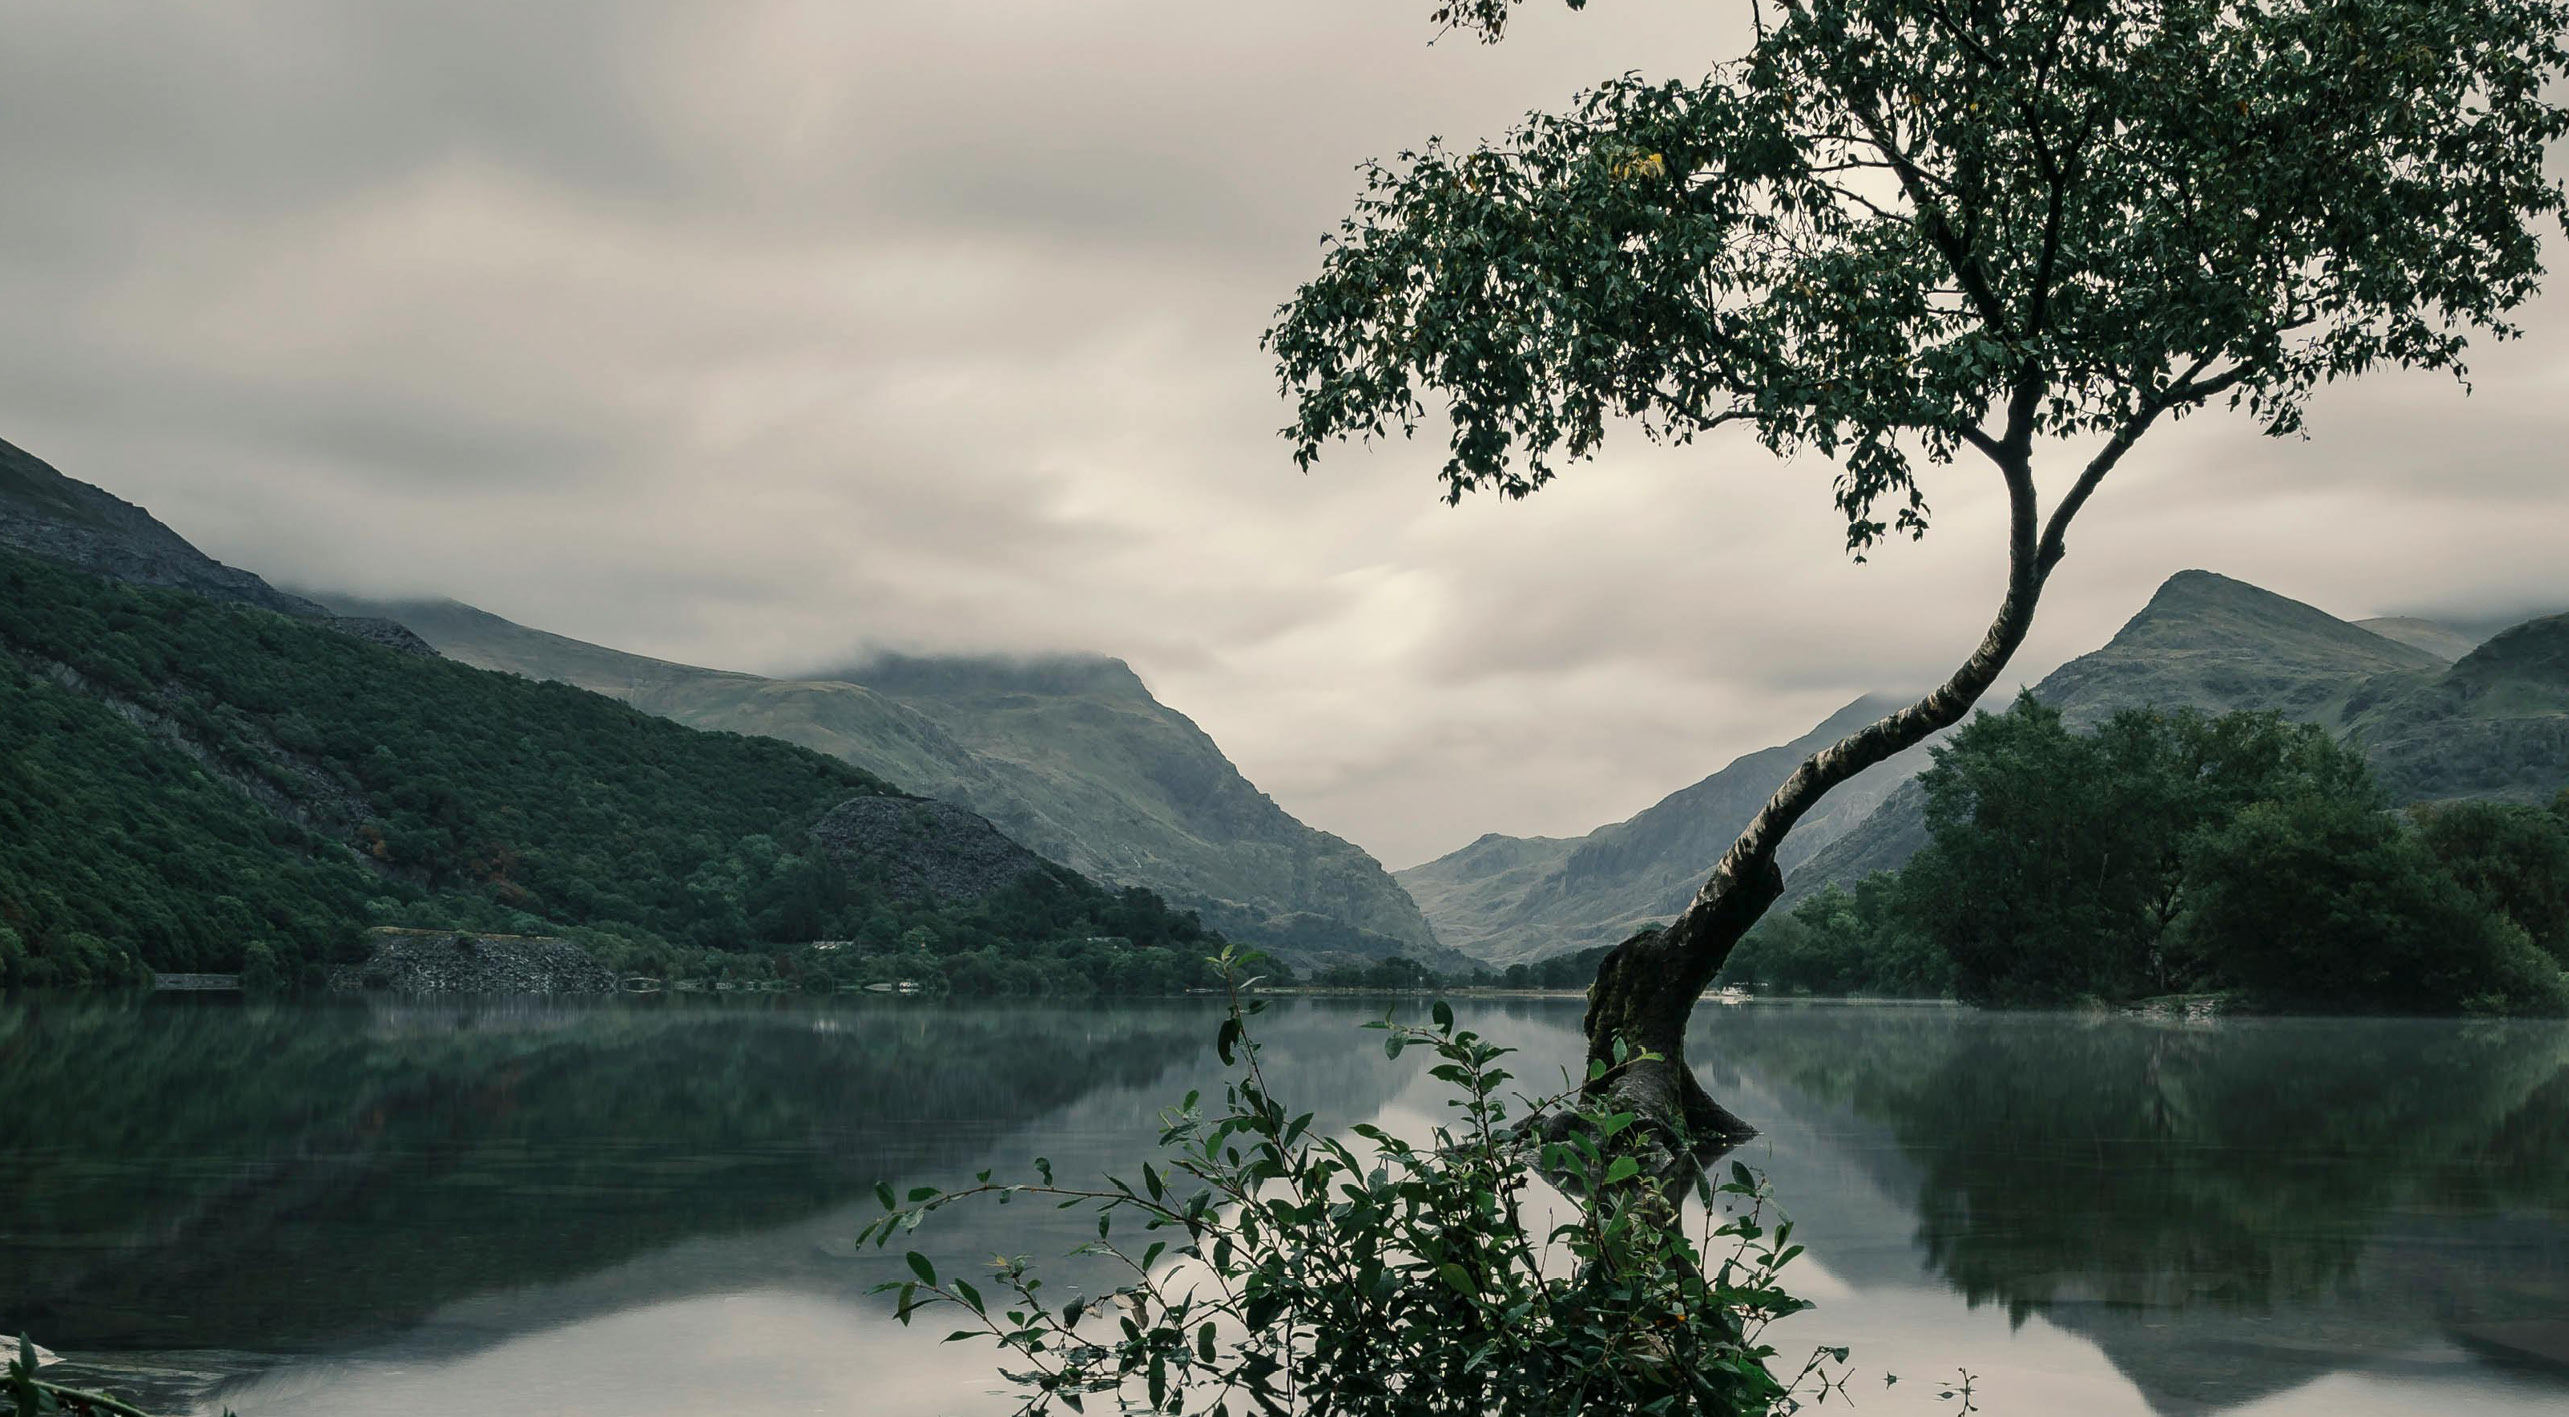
x=385 y=1209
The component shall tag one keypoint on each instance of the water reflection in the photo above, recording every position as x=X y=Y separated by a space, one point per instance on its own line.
x=647 y=1207
x=2227 y=1212
x=299 y=1178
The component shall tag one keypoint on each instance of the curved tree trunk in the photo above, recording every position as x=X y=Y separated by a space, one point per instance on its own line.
x=1646 y=987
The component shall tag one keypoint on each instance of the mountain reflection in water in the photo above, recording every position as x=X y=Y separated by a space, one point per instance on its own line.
x=648 y=1205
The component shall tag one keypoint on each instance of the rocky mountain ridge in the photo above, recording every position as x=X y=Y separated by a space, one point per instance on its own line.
x=924 y=849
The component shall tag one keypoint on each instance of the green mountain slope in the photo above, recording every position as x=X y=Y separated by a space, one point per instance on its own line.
x=2494 y=725
x=1512 y=899
x=2220 y=645
x=2216 y=644
x=184 y=777
x=1071 y=755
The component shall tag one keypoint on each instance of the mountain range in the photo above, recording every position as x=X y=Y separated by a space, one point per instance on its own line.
x=2440 y=714
x=1070 y=755
x=1073 y=757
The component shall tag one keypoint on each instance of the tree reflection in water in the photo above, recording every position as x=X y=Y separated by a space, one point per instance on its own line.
x=2227 y=1210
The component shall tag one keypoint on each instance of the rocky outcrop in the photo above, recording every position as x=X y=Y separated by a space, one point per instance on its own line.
x=61 y=519
x=922 y=849
x=452 y=962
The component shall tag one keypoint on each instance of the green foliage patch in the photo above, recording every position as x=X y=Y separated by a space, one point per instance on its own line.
x=1279 y=1270
x=195 y=786
x=2174 y=852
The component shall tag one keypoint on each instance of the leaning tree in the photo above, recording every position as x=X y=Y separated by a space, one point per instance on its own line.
x=1902 y=234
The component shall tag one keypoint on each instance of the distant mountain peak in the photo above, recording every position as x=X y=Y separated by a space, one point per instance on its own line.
x=1069 y=754
x=2203 y=611
x=2213 y=642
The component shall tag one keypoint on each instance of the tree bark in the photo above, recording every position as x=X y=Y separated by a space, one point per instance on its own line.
x=1646 y=987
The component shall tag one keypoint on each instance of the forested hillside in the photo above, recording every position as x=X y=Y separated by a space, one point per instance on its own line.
x=1070 y=754
x=186 y=777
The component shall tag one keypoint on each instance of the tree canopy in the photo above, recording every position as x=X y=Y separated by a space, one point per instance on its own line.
x=2168 y=852
x=1896 y=228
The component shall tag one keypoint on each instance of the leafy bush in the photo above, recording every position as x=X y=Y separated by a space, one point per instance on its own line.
x=2515 y=859
x=1282 y=1271
x=2325 y=903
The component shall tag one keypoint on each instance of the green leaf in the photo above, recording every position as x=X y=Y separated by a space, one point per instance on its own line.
x=919 y=1266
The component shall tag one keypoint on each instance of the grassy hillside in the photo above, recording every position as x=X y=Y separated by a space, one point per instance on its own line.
x=1071 y=755
x=2494 y=725
x=2220 y=645
x=185 y=777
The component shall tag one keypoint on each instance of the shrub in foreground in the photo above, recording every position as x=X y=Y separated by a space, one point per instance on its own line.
x=1281 y=1271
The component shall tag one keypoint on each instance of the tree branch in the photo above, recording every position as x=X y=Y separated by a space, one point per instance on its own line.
x=1751 y=858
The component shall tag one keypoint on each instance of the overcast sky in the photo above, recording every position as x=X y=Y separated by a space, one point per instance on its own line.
x=757 y=334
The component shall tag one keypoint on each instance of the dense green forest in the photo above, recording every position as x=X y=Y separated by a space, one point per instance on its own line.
x=2167 y=853
x=187 y=779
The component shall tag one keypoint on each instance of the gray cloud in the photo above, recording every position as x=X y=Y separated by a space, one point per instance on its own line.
x=762 y=334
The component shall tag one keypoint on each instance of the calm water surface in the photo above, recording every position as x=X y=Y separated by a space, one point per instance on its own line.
x=366 y=1210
